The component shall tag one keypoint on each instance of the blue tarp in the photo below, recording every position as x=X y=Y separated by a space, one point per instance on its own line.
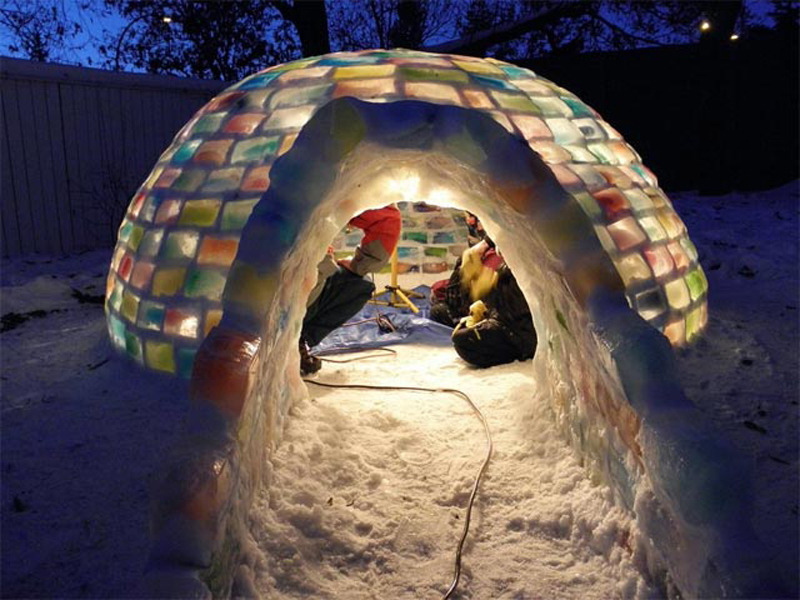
x=410 y=328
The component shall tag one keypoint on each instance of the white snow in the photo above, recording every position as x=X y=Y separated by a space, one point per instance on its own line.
x=369 y=491
x=366 y=486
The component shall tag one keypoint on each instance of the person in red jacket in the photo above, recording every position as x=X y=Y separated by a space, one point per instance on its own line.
x=341 y=289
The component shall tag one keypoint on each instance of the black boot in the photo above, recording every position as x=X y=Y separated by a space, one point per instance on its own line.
x=308 y=364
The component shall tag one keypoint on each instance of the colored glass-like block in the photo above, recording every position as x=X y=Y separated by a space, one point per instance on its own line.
x=613 y=202
x=200 y=213
x=130 y=306
x=213 y=317
x=287 y=143
x=689 y=247
x=151 y=315
x=244 y=124
x=697 y=283
x=567 y=178
x=614 y=176
x=151 y=242
x=564 y=132
x=115 y=300
x=660 y=260
x=591 y=177
x=255 y=149
x=679 y=255
x=205 y=283
x=125 y=229
x=189 y=180
x=532 y=127
x=693 y=323
x=217 y=251
x=416 y=236
x=150 y=207
x=422 y=74
x=299 y=96
x=677 y=294
x=257 y=81
x=520 y=102
x=432 y=91
x=125 y=267
x=208 y=123
x=180 y=245
x=136 y=204
x=655 y=232
x=633 y=269
x=578 y=108
x=181 y=322
x=137 y=231
x=223 y=180
x=142 y=273
x=160 y=356
x=650 y=303
x=186 y=361
x=288 y=118
x=580 y=154
x=590 y=129
x=235 y=214
x=365 y=88
x=167 y=178
x=116 y=330
x=626 y=233
x=551 y=153
x=167 y=282
x=168 y=212
x=482 y=68
x=477 y=99
x=186 y=151
x=213 y=152
x=256 y=180
x=133 y=346
x=603 y=153
x=588 y=204
x=675 y=331
x=357 y=72
x=316 y=72
x=534 y=87
x=224 y=101
x=639 y=200
x=552 y=107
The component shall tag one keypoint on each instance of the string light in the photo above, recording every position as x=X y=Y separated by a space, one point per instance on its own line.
x=705 y=25
x=734 y=37
x=166 y=19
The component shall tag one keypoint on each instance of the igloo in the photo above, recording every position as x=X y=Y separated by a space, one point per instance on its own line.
x=218 y=249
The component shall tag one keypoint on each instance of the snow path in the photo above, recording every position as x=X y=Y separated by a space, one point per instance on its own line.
x=369 y=490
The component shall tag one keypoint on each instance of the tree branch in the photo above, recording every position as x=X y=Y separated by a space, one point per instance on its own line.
x=622 y=31
x=503 y=33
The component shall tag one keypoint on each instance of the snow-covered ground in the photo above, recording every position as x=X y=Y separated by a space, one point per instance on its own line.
x=83 y=430
x=370 y=488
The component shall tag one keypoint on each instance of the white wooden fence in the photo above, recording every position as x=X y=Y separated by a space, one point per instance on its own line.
x=75 y=143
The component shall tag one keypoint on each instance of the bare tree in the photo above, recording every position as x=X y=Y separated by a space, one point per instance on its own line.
x=39 y=29
x=363 y=24
x=213 y=40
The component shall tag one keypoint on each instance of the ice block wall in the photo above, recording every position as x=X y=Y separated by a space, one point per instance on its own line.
x=433 y=239
x=263 y=178
x=182 y=228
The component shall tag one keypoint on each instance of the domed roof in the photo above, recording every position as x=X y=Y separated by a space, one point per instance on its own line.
x=181 y=232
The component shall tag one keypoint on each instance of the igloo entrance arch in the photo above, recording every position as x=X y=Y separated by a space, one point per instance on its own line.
x=585 y=242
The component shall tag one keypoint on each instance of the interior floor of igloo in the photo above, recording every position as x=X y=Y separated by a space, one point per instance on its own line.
x=369 y=488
